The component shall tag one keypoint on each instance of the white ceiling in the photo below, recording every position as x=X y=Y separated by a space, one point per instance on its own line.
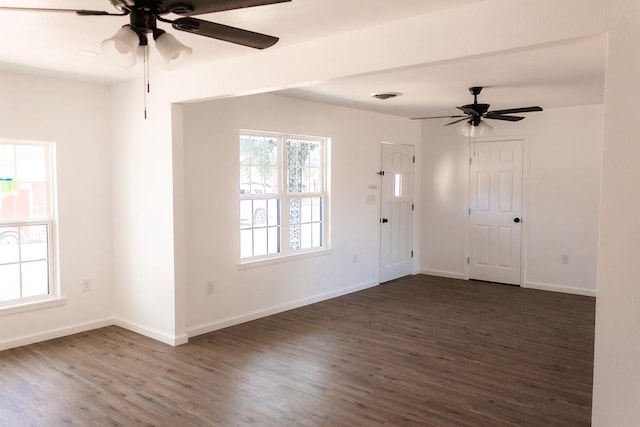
x=549 y=76
x=48 y=42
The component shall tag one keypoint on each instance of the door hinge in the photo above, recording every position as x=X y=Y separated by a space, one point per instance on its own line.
x=381 y=173
x=411 y=254
x=469 y=211
x=413 y=207
x=414 y=159
x=468 y=260
x=470 y=160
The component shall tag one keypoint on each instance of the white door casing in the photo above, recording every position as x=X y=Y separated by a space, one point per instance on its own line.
x=396 y=211
x=495 y=222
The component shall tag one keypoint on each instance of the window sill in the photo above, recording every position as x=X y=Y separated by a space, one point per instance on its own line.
x=245 y=265
x=41 y=304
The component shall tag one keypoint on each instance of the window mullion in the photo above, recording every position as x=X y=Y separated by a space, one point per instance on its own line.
x=20 y=262
x=284 y=199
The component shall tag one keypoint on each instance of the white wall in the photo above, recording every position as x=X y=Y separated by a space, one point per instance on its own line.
x=393 y=44
x=211 y=169
x=563 y=156
x=504 y=24
x=616 y=384
x=564 y=167
x=143 y=234
x=74 y=116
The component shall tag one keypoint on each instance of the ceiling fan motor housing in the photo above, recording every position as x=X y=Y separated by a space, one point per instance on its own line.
x=143 y=21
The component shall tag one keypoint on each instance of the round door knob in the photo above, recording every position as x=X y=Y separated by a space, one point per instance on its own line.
x=516 y=220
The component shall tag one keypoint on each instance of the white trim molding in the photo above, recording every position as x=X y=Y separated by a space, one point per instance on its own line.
x=440 y=273
x=560 y=288
x=87 y=326
x=173 y=340
x=236 y=320
x=54 y=333
x=40 y=304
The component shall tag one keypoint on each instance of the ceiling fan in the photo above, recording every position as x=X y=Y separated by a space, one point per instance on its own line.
x=475 y=113
x=143 y=18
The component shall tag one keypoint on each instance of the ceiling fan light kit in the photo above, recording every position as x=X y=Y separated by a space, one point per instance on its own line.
x=121 y=49
x=144 y=15
x=471 y=130
x=143 y=18
x=171 y=50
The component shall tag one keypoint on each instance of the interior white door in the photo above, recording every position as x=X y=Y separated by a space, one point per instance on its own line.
x=495 y=212
x=396 y=212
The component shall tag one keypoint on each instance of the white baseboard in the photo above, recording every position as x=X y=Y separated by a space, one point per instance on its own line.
x=531 y=285
x=172 y=340
x=236 y=320
x=440 y=273
x=54 y=333
x=87 y=326
x=560 y=288
x=220 y=324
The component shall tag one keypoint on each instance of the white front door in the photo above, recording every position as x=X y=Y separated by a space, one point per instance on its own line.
x=495 y=212
x=396 y=212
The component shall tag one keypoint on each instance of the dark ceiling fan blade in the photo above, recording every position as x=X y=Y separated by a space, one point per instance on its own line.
x=198 y=7
x=224 y=32
x=458 y=121
x=436 y=117
x=82 y=12
x=469 y=111
x=492 y=115
x=517 y=110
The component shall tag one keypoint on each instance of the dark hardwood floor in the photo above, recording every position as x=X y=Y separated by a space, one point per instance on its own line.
x=417 y=351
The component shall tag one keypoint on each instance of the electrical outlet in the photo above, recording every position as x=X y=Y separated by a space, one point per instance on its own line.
x=355 y=258
x=210 y=288
x=86 y=285
x=565 y=259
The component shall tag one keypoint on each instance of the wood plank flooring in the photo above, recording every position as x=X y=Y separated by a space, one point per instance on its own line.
x=417 y=351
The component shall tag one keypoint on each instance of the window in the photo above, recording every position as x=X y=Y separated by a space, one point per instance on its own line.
x=26 y=221
x=283 y=195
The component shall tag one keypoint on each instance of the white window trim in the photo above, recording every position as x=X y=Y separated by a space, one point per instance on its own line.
x=250 y=263
x=286 y=254
x=32 y=304
x=53 y=298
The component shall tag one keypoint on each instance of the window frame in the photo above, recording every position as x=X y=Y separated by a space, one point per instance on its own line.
x=285 y=197
x=52 y=297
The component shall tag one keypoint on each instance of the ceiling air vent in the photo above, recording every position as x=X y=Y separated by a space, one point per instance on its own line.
x=385 y=95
